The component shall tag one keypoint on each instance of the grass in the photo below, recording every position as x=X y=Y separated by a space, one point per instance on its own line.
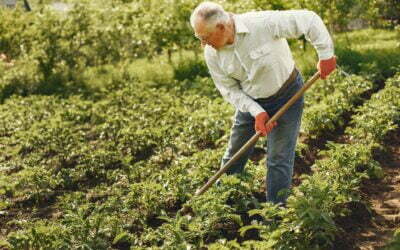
x=373 y=53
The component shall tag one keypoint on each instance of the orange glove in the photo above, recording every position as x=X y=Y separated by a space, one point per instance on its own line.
x=260 y=124
x=325 y=67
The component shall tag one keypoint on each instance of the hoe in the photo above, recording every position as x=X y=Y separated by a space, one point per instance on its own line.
x=252 y=140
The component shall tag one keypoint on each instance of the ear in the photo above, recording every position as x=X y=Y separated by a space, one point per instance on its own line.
x=220 y=26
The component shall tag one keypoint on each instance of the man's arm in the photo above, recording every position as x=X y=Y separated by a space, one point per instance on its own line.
x=294 y=23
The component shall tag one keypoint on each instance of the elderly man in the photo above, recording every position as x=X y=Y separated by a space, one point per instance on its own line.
x=252 y=66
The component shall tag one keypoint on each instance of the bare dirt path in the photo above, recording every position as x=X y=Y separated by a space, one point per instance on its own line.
x=376 y=230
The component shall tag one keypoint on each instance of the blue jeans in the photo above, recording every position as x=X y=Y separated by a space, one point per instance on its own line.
x=280 y=146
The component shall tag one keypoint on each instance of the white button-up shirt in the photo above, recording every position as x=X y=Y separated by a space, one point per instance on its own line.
x=259 y=61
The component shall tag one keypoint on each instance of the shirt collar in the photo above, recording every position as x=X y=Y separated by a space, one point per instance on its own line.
x=239 y=25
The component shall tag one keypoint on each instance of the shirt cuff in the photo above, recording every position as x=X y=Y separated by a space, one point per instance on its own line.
x=323 y=55
x=255 y=109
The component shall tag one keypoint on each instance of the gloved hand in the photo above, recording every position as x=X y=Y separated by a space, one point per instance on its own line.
x=325 y=67
x=261 y=120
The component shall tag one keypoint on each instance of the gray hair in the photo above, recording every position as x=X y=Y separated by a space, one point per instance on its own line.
x=211 y=13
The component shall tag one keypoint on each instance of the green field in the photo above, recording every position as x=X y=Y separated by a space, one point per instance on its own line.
x=107 y=129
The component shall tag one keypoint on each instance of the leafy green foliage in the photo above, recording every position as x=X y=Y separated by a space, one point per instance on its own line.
x=395 y=242
x=379 y=115
x=328 y=104
x=111 y=149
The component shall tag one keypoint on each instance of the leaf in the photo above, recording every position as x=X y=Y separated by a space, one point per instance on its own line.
x=236 y=218
x=5 y=244
x=120 y=236
x=255 y=211
x=244 y=229
x=166 y=218
x=276 y=234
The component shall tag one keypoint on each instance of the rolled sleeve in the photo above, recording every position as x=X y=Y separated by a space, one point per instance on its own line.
x=230 y=88
x=294 y=23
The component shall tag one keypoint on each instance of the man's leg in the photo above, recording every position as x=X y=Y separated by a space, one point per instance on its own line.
x=281 y=143
x=242 y=130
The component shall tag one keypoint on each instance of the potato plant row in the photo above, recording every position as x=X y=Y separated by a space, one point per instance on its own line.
x=316 y=206
x=93 y=157
x=330 y=101
x=78 y=142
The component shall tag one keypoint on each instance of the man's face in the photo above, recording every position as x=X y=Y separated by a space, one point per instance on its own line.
x=216 y=37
